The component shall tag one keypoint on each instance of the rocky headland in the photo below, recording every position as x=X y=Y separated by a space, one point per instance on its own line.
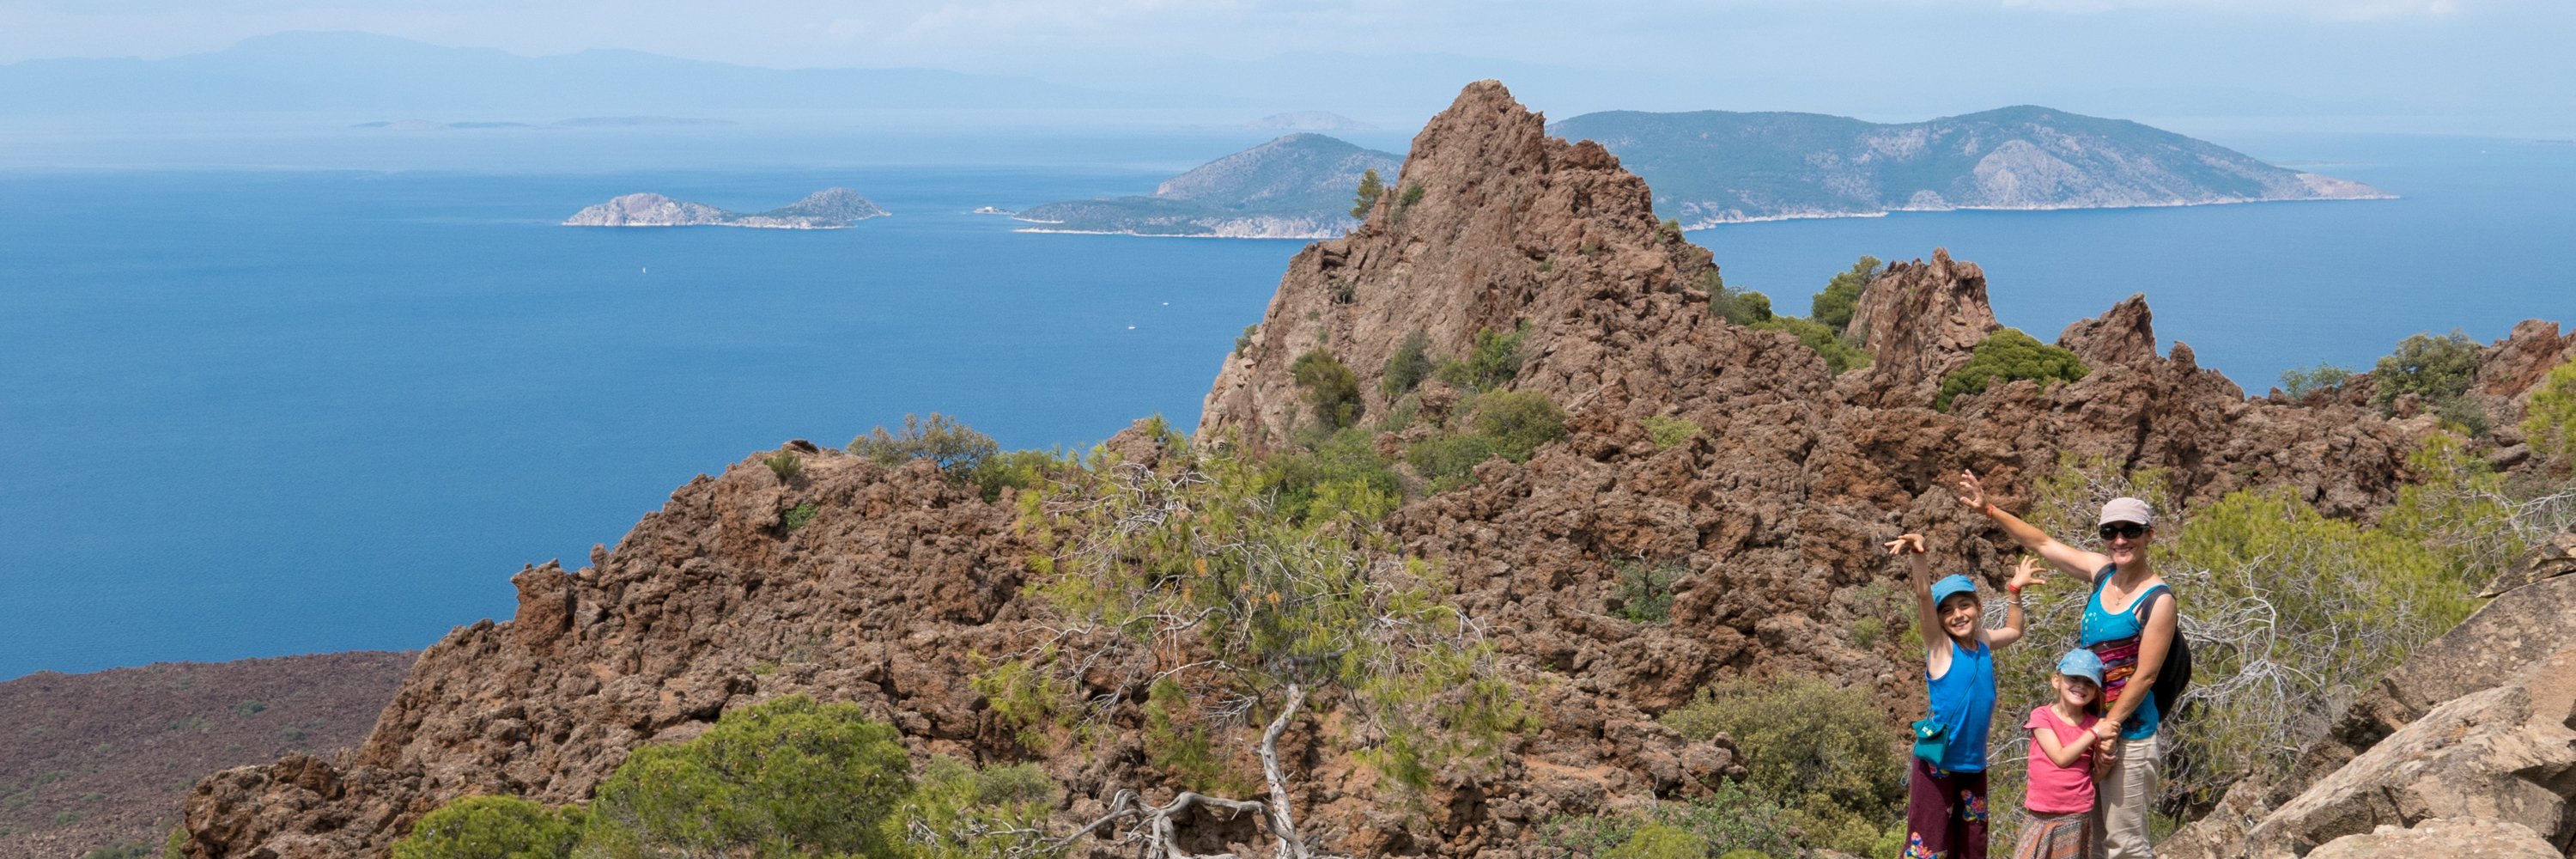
x=1713 y=167
x=1773 y=509
x=827 y=209
x=1296 y=187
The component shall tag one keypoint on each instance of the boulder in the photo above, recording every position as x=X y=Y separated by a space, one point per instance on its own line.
x=2480 y=755
x=2442 y=838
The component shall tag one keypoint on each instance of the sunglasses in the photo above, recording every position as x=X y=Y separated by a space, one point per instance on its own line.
x=2129 y=530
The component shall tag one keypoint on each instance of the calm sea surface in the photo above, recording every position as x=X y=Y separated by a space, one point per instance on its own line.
x=255 y=413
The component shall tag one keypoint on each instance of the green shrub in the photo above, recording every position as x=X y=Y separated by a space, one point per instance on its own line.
x=1668 y=430
x=952 y=446
x=1518 y=422
x=1669 y=232
x=1645 y=591
x=960 y=812
x=1411 y=196
x=1734 y=821
x=1865 y=631
x=785 y=464
x=1331 y=388
x=1659 y=841
x=1833 y=307
x=1342 y=472
x=249 y=708
x=493 y=827
x=1371 y=188
x=1410 y=364
x=1243 y=341
x=1739 y=306
x=1496 y=359
x=1018 y=469
x=2549 y=420
x=785 y=776
x=1840 y=355
x=2437 y=369
x=2006 y=356
x=1827 y=752
x=798 y=516
x=2299 y=381
x=1446 y=460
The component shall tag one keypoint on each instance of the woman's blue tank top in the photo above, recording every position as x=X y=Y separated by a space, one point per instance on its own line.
x=1964 y=699
x=2117 y=639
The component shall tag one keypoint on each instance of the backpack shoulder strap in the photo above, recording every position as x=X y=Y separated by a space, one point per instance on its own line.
x=2147 y=601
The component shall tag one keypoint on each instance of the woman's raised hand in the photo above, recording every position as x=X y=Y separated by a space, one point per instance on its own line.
x=1907 y=543
x=1972 y=493
x=2030 y=571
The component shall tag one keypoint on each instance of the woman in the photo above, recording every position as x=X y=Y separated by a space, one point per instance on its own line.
x=2129 y=623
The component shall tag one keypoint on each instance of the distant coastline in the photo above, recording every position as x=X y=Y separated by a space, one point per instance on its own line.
x=828 y=209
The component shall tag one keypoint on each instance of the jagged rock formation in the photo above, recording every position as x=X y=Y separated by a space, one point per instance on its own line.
x=1775 y=508
x=1296 y=187
x=827 y=209
x=1712 y=167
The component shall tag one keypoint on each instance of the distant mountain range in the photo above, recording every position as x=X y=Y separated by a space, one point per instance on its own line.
x=306 y=71
x=827 y=209
x=1296 y=187
x=1713 y=167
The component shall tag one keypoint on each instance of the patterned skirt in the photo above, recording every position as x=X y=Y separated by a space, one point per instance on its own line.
x=2056 y=836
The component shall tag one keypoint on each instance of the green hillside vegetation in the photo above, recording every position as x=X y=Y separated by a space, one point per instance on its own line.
x=1823 y=332
x=1717 y=166
x=1304 y=178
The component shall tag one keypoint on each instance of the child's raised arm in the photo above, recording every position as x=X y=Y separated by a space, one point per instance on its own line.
x=2028 y=572
x=1927 y=617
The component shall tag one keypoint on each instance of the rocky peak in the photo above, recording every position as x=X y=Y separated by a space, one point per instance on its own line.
x=2124 y=336
x=1920 y=320
x=1494 y=224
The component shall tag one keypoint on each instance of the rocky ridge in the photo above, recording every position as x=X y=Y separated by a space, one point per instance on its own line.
x=1774 y=507
x=827 y=209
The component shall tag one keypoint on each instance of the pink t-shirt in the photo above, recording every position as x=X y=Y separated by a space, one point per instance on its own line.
x=2055 y=789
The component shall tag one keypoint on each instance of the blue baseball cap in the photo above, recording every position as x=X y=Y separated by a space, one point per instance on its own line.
x=1952 y=584
x=2081 y=663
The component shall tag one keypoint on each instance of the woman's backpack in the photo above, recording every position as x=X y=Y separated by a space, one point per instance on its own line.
x=2176 y=672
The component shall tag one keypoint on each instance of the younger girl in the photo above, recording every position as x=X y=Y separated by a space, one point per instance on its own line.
x=2061 y=763
x=1945 y=809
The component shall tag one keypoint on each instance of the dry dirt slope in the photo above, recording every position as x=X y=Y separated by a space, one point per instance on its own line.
x=89 y=760
x=711 y=604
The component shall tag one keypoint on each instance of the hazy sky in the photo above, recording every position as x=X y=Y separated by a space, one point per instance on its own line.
x=1891 y=57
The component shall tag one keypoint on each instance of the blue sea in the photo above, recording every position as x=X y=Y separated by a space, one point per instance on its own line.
x=252 y=412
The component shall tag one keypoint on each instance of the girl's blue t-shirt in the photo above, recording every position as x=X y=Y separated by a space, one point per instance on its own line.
x=1964 y=699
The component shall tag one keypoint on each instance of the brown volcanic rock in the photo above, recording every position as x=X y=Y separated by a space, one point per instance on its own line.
x=1775 y=509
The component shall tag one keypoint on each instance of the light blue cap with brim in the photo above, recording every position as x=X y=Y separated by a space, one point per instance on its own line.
x=2081 y=663
x=1953 y=584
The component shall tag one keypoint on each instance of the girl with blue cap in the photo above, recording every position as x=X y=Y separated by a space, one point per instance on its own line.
x=2060 y=799
x=1945 y=808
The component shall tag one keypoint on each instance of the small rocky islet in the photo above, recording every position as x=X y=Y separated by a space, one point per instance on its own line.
x=827 y=209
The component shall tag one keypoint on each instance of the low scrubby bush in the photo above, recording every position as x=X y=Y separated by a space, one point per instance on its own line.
x=2298 y=382
x=1827 y=753
x=1518 y=422
x=2549 y=420
x=784 y=776
x=1833 y=307
x=1331 y=388
x=1733 y=822
x=2006 y=356
x=1839 y=354
x=2438 y=369
x=1645 y=591
x=1739 y=306
x=1410 y=364
x=1339 y=472
x=785 y=464
x=1496 y=359
x=1668 y=430
x=493 y=827
x=946 y=442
